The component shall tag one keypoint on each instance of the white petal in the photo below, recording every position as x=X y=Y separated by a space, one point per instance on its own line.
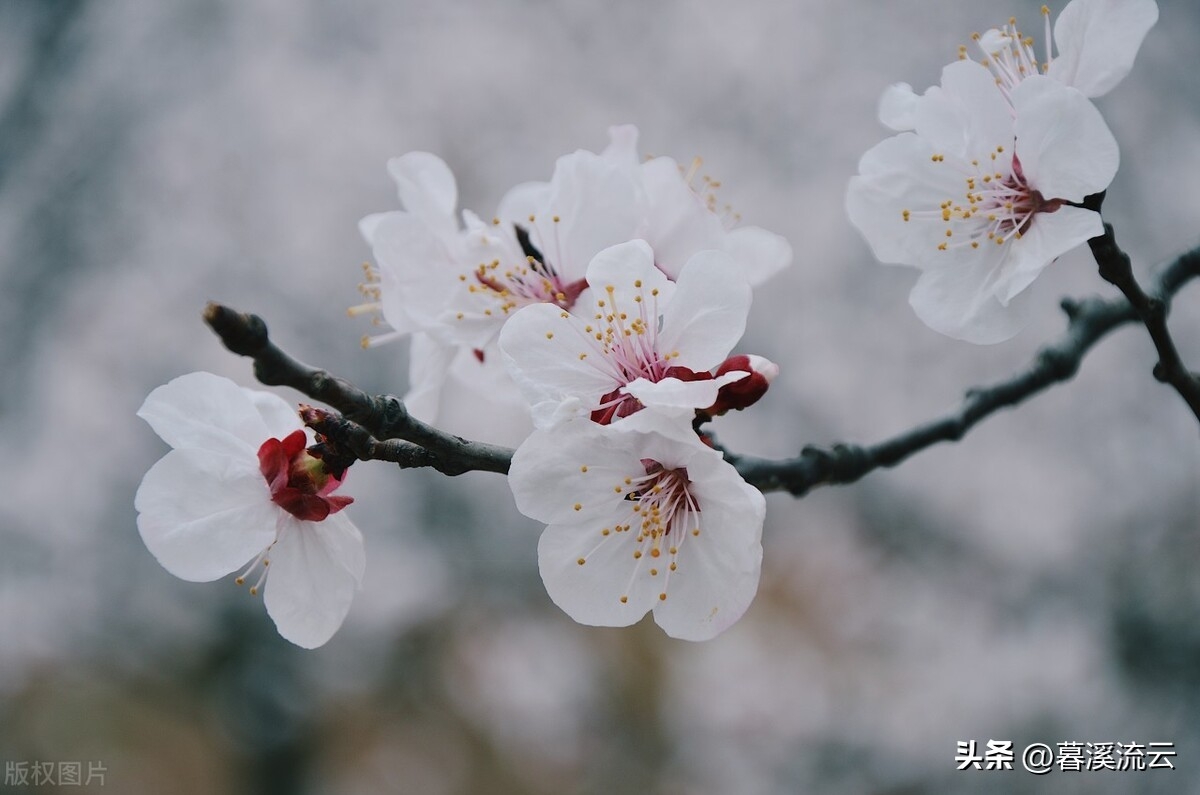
x=967 y=115
x=678 y=223
x=591 y=593
x=959 y=301
x=368 y=225
x=896 y=175
x=418 y=271
x=1066 y=149
x=1097 y=42
x=674 y=396
x=279 y=416
x=542 y=350
x=897 y=107
x=597 y=207
x=316 y=568
x=206 y=412
x=718 y=570
x=621 y=267
x=577 y=463
x=522 y=201
x=428 y=364
x=203 y=515
x=676 y=427
x=1049 y=236
x=622 y=148
x=707 y=314
x=427 y=188
x=758 y=253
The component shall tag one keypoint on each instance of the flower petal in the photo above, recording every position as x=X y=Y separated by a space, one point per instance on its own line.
x=418 y=270
x=427 y=188
x=552 y=358
x=1066 y=149
x=718 y=570
x=596 y=205
x=759 y=254
x=592 y=593
x=707 y=314
x=966 y=115
x=1049 y=237
x=280 y=417
x=204 y=411
x=577 y=463
x=622 y=146
x=678 y=223
x=674 y=396
x=959 y=301
x=1097 y=42
x=897 y=107
x=428 y=364
x=316 y=568
x=203 y=514
x=895 y=175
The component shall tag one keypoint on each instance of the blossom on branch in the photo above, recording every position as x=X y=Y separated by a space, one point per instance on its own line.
x=983 y=195
x=638 y=519
x=239 y=486
x=454 y=287
x=645 y=341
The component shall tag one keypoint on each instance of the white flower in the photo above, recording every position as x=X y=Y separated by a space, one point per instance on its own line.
x=647 y=341
x=983 y=195
x=238 y=487
x=680 y=218
x=641 y=520
x=1097 y=42
x=453 y=287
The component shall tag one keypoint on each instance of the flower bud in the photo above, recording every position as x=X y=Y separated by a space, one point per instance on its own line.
x=746 y=391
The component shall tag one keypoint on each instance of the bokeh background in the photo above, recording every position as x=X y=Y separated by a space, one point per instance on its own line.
x=1035 y=582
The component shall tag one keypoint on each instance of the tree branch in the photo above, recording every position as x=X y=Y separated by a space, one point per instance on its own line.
x=380 y=428
x=1088 y=321
x=1115 y=268
x=383 y=417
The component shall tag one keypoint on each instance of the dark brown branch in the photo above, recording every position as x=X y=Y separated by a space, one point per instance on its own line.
x=1115 y=268
x=1088 y=321
x=380 y=428
x=382 y=417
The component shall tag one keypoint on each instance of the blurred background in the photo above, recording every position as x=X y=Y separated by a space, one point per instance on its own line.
x=1035 y=582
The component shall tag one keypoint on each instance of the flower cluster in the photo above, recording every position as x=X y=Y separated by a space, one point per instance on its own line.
x=605 y=304
x=612 y=295
x=452 y=287
x=982 y=188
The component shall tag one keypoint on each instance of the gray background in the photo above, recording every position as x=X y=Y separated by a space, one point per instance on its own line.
x=1035 y=582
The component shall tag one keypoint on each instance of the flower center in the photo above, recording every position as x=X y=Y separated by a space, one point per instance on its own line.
x=298 y=481
x=664 y=514
x=995 y=208
x=625 y=340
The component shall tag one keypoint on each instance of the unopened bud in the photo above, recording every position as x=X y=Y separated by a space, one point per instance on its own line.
x=745 y=391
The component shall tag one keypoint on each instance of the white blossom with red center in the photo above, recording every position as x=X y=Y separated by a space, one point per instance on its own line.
x=643 y=342
x=641 y=519
x=983 y=195
x=452 y=288
x=240 y=491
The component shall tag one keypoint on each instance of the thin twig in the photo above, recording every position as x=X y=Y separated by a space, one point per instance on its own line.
x=1115 y=268
x=380 y=428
